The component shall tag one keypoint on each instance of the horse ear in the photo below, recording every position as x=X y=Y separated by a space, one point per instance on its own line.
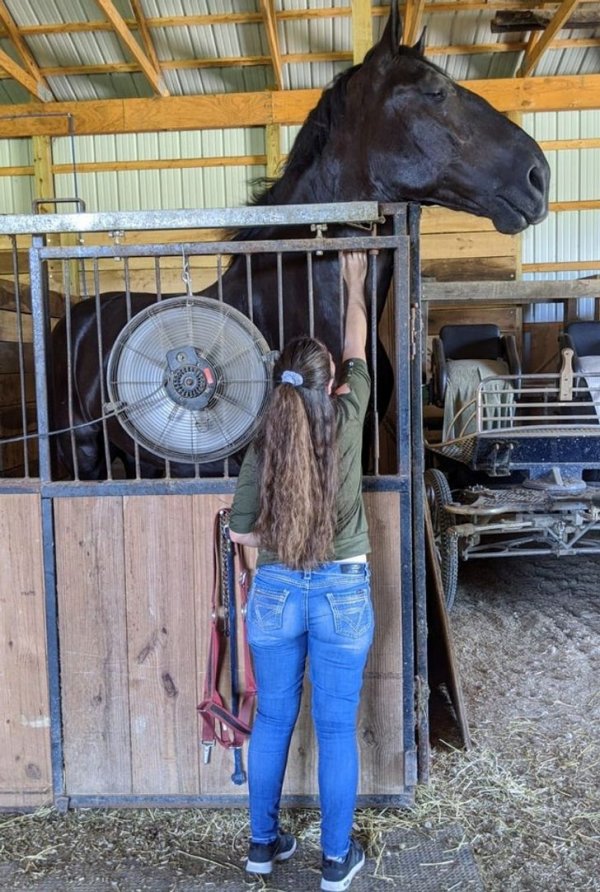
x=392 y=34
x=395 y=23
x=421 y=43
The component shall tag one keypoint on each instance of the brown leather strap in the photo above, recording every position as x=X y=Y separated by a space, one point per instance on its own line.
x=219 y=724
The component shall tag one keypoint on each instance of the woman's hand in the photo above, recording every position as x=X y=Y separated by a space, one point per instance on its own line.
x=354 y=269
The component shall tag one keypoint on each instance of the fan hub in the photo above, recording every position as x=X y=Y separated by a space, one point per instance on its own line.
x=190 y=380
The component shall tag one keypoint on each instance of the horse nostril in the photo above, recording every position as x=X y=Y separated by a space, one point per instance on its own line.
x=537 y=179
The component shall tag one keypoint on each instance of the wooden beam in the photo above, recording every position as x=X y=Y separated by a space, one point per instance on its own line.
x=509 y=292
x=505 y=22
x=14 y=35
x=142 y=24
x=33 y=86
x=267 y=9
x=534 y=54
x=362 y=29
x=413 y=20
x=118 y=23
x=273 y=149
x=224 y=110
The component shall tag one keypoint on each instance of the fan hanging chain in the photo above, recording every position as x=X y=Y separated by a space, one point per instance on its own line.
x=185 y=273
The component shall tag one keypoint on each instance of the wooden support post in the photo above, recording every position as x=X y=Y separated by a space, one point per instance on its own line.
x=362 y=29
x=273 y=149
x=44 y=191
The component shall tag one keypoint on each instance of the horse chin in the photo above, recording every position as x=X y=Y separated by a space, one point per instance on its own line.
x=510 y=224
x=509 y=219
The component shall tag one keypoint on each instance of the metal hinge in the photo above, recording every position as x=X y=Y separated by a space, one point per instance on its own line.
x=410 y=768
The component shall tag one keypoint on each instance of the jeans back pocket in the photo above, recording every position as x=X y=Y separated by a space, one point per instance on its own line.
x=265 y=608
x=352 y=612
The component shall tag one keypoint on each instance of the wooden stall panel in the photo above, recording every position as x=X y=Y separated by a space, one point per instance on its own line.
x=135 y=577
x=25 y=772
x=460 y=247
x=381 y=718
x=90 y=570
x=161 y=629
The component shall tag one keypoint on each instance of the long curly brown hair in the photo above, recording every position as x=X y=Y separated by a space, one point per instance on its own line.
x=297 y=459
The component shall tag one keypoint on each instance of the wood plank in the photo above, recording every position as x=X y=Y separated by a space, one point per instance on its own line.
x=541 y=340
x=10 y=390
x=90 y=566
x=518 y=292
x=11 y=420
x=10 y=297
x=475 y=268
x=18 y=460
x=362 y=29
x=225 y=110
x=9 y=357
x=380 y=726
x=159 y=562
x=9 y=329
x=438 y=219
x=25 y=772
x=447 y=246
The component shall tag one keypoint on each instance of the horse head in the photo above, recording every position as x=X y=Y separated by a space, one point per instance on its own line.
x=414 y=134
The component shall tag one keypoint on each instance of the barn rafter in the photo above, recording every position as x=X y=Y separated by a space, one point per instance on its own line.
x=540 y=42
x=29 y=77
x=148 y=64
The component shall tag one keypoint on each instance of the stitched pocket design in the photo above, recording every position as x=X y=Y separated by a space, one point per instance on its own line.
x=352 y=612
x=266 y=608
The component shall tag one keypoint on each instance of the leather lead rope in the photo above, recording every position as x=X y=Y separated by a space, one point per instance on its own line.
x=229 y=727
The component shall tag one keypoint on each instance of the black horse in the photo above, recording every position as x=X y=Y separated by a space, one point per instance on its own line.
x=394 y=128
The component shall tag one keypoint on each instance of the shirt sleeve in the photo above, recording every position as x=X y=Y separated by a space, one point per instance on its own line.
x=355 y=374
x=246 y=503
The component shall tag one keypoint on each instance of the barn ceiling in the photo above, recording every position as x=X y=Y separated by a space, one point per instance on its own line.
x=76 y=51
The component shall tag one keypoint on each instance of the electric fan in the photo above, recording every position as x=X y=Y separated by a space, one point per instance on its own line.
x=188 y=378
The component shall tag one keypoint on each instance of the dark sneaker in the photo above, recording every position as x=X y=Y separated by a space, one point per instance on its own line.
x=262 y=855
x=337 y=875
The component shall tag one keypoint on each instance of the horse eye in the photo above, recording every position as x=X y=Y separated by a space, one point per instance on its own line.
x=437 y=95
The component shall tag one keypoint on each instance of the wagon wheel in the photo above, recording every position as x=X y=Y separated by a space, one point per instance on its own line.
x=438 y=496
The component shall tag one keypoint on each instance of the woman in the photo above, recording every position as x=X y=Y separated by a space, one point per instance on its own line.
x=299 y=500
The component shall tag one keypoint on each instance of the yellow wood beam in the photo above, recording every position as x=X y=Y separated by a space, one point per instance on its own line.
x=144 y=31
x=43 y=90
x=537 y=49
x=32 y=85
x=362 y=29
x=225 y=110
x=273 y=149
x=267 y=9
x=413 y=21
x=120 y=26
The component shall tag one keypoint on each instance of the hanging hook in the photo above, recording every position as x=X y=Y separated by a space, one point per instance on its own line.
x=185 y=274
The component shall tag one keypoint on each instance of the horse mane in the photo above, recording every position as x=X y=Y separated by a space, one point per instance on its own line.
x=309 y=143
x=312 y=137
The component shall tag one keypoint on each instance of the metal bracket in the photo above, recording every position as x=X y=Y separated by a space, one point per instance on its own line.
x=61 y=803
x=565 y=393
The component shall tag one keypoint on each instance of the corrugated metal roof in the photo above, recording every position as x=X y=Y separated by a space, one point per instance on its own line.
x=236 y=39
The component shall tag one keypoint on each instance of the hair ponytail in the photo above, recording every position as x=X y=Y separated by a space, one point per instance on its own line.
x=297 y=452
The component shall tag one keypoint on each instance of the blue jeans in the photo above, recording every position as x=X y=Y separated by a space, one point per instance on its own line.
x=325 y=614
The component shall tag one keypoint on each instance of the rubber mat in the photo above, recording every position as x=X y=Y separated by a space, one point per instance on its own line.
x=439 y=861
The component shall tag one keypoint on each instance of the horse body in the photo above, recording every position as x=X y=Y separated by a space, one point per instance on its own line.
x=392 y=129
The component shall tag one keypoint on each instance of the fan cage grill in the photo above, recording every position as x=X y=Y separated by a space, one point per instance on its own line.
x=138 y=374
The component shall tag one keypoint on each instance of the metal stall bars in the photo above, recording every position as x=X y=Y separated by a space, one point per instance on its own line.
x=124 y=557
